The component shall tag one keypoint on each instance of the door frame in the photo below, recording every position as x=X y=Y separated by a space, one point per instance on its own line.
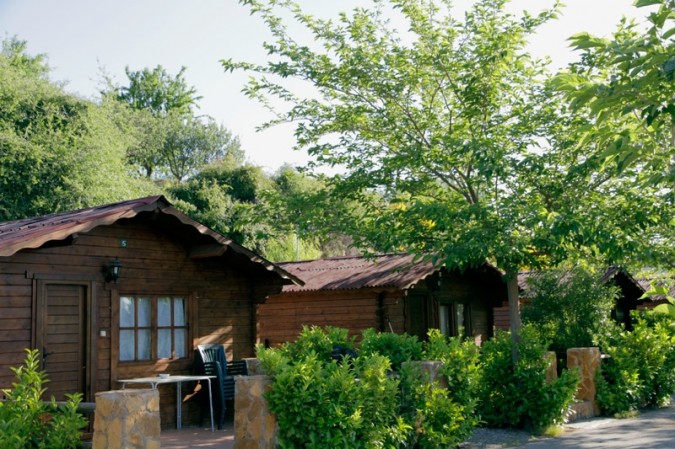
x=40 y=282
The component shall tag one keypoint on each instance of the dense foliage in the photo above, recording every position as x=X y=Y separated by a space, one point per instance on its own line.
x=327 y=395
x=57 y=151
x=517 y=394
x=447 y=133
x=570 y=308
x=27 y=422
x=640 y=369
x=625 y=85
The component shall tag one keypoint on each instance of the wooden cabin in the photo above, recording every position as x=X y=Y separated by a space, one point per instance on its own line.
x=627 y=301
x=391 y=292
x=178 y=284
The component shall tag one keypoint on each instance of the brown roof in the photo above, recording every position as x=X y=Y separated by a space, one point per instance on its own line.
x=346 y=273
x=35 y=232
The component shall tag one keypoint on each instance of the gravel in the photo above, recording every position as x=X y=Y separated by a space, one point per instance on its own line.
x=486 y=438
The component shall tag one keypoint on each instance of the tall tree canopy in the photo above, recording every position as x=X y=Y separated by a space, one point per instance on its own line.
x=626 y=84
x=57 y=151
x=441 y=131
x=158 y=91
x=171 y=141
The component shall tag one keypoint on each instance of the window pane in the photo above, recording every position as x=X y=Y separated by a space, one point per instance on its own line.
x=180 y=341
x=460 y=320
x=144 y=344
x=126 y=311
x=443 y=319
x=127 y=345
x=179 y=312
x=164 y=312
x=143 y=312
x=164 y=343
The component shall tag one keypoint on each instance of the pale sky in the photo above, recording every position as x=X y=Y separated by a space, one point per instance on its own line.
x=82 y=36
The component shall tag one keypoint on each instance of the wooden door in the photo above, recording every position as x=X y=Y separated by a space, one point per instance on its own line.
x=62 y=337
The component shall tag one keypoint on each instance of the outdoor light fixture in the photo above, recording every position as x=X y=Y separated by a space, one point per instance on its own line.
x=113 y=271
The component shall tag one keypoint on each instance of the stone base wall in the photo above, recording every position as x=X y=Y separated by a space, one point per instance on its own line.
x=127 y=419
x=255 y=427
x=588 y=362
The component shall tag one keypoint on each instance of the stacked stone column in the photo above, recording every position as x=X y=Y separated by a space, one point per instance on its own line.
x=127 y=419
x=588 y=362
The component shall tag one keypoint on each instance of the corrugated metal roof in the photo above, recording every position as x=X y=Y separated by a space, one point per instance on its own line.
x=35 y=232
x=348 y=273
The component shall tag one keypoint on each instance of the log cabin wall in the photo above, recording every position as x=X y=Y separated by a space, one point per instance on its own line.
x=220 y=302
x=480 y=290
x=281 y=317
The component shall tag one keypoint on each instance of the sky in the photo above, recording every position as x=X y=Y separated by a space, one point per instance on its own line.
x=85 y=38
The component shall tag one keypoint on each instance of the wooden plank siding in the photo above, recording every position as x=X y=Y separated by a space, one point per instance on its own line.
x=154 y=262
x=282 y=317
x=413 y=310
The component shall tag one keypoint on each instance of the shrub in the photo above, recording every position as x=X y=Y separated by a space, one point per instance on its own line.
x=569 y=308
x=26 y=422
x=460 y=367
x=398 y=348
x=433 y=418
x=320 y=341
x=321 y=402
x=640 y=370
x=517 y=395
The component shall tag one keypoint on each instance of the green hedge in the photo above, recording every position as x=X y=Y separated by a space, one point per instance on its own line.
x=359 y=401
x=353 y=397
x=517 y=394
x=640 y=369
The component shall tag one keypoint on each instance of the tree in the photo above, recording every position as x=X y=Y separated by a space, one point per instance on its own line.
x=436 y=121
x=625 y=85
x=570 y=308
x=57 y=151
x=171 y=142
x=443 y=134
x=157 y=91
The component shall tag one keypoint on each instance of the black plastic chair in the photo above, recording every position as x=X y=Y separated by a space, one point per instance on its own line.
x=218 y=394
x=212 y=362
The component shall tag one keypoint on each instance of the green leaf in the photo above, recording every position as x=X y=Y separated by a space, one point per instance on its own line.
x=642 y=3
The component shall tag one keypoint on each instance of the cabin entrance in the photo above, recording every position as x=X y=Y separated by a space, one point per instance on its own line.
x=62 y=329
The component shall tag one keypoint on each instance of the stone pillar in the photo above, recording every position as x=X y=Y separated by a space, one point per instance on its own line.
x=432 y=369
x=127 y=419
x=587 y=360
x=253 y=367
x=255 y=427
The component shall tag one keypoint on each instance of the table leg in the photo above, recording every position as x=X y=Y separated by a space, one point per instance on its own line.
x=179 y=394
x=211 y=404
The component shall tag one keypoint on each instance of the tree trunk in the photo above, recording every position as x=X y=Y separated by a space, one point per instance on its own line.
x=515 y=324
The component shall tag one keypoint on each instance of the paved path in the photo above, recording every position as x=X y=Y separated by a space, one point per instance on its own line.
x=652 y=429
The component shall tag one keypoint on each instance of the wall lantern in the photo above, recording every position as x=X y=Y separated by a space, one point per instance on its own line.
x=113 y=272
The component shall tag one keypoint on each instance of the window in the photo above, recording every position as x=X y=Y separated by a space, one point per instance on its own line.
x=153 y=327
x=454 y=319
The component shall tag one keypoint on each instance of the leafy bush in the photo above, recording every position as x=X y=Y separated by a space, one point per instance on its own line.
x=460 y=367
x=640 y=370
x=398 y=348
x=569 y=308
x=318 y=340
x=517 y=395
x=321 y=402
x=434 y=420
x=26 y=422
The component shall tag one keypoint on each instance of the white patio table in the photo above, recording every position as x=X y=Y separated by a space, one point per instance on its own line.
x=178 y=380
